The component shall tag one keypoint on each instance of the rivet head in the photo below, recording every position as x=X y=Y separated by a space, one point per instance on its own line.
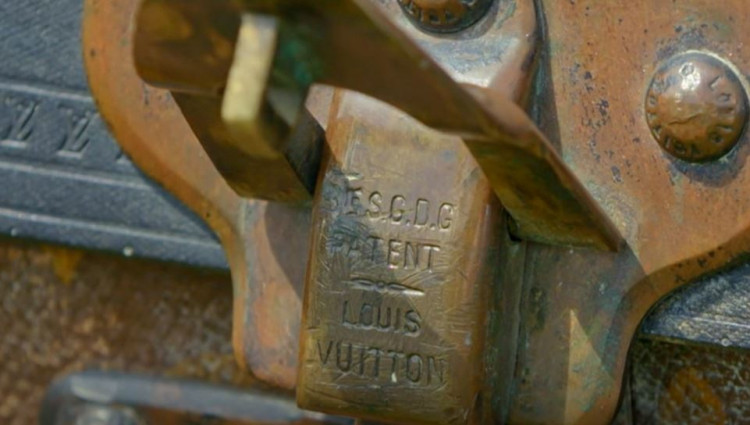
x=696 y=107
x=444 y=15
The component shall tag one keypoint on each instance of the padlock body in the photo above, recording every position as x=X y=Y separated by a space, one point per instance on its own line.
x=404 y=258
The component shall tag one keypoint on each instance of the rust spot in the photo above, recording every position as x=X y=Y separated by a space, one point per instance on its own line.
x=64 y=262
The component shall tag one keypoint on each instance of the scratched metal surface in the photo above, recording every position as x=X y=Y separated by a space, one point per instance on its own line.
x=65 y=179
x=64 y=310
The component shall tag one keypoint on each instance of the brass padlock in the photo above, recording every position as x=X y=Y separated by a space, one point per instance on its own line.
x=404 y=254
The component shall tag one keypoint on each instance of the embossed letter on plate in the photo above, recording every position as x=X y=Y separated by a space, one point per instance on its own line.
x=404 y=243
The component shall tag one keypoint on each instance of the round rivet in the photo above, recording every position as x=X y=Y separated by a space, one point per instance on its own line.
x=696 y=107
x=444 y=15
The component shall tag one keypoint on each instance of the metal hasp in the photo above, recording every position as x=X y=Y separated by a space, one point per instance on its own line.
x=605 y=182
x=266 y=243
x=353 y=44
x=452 y=264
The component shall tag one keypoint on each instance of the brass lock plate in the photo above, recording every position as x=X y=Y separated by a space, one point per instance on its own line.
x=404 y=254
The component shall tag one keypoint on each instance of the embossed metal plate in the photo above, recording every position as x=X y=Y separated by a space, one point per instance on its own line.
x=404 y=249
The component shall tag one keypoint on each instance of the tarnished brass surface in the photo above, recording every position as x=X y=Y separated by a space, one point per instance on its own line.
x=362 y=128
x=586 y=170
x=353 y=44
x=680 y=220
x=267 y=270
x=404 y=249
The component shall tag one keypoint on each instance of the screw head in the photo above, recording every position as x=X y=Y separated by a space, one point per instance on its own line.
x=443 y=16
x=696 y=107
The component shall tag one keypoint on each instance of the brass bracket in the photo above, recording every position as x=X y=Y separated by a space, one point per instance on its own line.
x=605 y=182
